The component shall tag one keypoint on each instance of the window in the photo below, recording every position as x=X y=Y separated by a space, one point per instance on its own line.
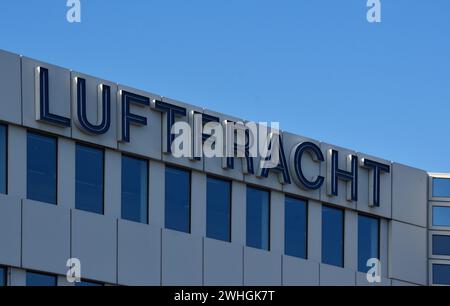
x=134 y=189
x=3 y=158
x=441 y=245
x=88 y=284
x=368 y=241
x=41 y=168
x=89 y=179
x=441 y=274
x=178 y=200
x=296 y=227
x=333 y=236
x=40 y=280
x=441 y=216
x=441 y=187
x=218 y=209
x=258 y=218
x=3 y=280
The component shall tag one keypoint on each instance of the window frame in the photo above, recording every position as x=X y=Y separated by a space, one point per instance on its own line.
x=129 y=155
x=343 y=233
x=430 y=245
x=100 y=148
x=188 y=170
x=432 y=176
x=230 y=219
x=298 y=198
x=378 y=218
x=269 y=191
x=56 y=138
x=5 y=277
x=430 y=271
x=6 y=126
x=430 y=216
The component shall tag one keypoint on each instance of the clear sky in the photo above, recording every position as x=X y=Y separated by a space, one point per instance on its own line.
x=316 y=66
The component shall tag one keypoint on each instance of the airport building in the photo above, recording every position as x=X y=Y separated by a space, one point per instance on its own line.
x=89 y=184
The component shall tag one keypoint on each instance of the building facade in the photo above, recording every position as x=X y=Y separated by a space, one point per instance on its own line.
x=88 y=181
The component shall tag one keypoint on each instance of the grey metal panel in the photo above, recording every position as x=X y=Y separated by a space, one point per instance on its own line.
x=139 y=254
x=151 y=133
x=113 y=184
x=335 y=276
x=156 y=193
x=409 y=195
x=10 y=87
x=315 y=231
x=364 y=175
x=361 y=280
x=46 y=237
x=182 y=260
x=238 y=213
x=198 y=203
x=261 y=268
x=277 y=222
x=398 y=283
x=17 y=160
x=66 y=173
x=310 y=168
x=299 y=272
x=408 y=253
x=18 y=277
x=59 y=95
x=351 y=240
x=223 y=263
x=10 y=230
x=94 y=242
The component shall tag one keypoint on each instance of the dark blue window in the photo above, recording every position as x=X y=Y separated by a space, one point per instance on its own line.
x=88 y=284
x=441 y=187
x=333 y=236
x=441 y=216
x=296 y=227
x=89 y=170
x=258 y=218
x=40 y=280
x=3 y=158
x=178 y=200
x=134 y=189
x=441 y=274
x=41 y=168
x=218 y=209
x=441 y=245
x=368 y=241
x=3 y=280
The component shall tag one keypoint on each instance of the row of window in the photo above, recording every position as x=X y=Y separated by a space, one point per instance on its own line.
x=89 y=196
x=35 y=279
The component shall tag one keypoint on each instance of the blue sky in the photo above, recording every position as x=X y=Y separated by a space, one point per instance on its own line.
x=316 y=66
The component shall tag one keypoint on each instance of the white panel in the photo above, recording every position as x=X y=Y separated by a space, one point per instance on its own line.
x=10 y=87
x=59 y=95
